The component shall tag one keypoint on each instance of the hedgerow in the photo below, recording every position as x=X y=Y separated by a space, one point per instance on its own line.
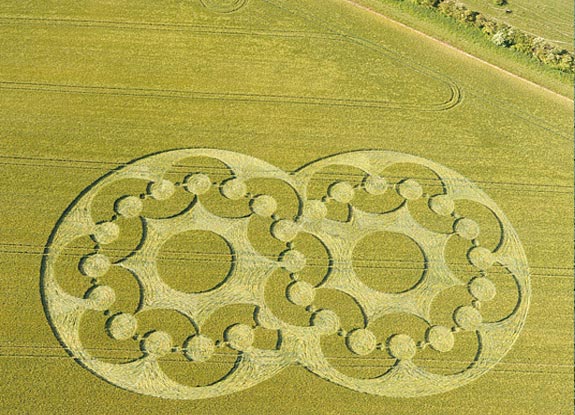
x=504 y=35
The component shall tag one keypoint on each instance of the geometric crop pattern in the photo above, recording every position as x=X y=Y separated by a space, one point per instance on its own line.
x=246 y=282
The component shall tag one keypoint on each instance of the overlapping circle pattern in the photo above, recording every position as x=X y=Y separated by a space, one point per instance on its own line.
x=246 y=284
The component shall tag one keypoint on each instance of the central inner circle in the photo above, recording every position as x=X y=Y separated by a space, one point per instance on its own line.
x=388 y=262
x=195 y=261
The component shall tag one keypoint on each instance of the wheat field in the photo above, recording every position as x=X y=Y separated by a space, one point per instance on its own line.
x=86 y=87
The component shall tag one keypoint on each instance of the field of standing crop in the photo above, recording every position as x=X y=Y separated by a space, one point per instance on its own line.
x=87 y=87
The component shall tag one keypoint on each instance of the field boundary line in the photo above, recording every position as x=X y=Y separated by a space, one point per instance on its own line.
x=57 y=352
x=454 y=48
x=161 y=26
x=183 y=168
x=450 y=102
x=215 y=257
x=453 y=100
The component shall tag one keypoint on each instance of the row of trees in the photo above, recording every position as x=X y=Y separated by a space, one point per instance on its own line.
x=505 y=35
